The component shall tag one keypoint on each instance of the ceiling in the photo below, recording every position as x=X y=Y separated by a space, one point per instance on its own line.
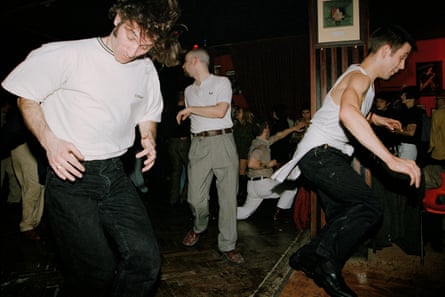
x=28 y=23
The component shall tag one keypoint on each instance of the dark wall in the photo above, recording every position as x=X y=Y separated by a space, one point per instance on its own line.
x=273 y=71
x=424 y=19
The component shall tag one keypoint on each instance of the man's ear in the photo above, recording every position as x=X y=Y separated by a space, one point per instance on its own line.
x=386 y=50
x=117 y=20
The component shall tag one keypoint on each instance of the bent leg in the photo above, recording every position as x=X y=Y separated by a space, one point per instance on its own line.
x=252 y=203
x=287 y=199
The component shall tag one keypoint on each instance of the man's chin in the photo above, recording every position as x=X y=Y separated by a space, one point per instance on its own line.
x=122 y=60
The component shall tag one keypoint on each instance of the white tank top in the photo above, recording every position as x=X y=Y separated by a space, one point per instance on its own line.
x=325 y=128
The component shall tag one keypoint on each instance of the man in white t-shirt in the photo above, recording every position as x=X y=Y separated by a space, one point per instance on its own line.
x=82 y=99
x=212 y=152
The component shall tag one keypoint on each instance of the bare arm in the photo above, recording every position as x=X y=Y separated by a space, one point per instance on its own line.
x=218 y=110
x=381 y=121
x=351 y=94
x=283 y=133
x=148 y=141
x=257 y=164
x=63 y=157
x=410 y=130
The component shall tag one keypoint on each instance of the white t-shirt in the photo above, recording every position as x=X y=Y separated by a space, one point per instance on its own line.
x=87 y=97
x=212 y=90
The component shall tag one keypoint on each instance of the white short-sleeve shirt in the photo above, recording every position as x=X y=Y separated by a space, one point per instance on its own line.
x=211 y=91
x=87 y=97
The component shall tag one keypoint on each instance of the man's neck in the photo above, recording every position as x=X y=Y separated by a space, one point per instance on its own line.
x=201 y=77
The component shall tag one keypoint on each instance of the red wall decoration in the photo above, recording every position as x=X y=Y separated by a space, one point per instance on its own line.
x=430 y=50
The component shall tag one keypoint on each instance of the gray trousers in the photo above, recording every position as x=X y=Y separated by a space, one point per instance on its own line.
x=208 y=157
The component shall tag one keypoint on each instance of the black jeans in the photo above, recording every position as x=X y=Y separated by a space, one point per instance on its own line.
x=92 y=219
x=350 y=205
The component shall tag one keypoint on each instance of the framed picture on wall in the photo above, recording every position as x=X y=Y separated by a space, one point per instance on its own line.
x=429 y=77
x=339 y=22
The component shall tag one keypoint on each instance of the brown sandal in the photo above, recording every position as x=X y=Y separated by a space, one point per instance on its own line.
x=233 y=257
x=191 y=238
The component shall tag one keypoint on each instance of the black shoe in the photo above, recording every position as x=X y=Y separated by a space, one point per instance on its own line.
x=303 y=262
x=324 y=275
x=332 y=282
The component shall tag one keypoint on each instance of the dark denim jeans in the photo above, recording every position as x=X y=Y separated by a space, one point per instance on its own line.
x=350 y=205
x=103 y=233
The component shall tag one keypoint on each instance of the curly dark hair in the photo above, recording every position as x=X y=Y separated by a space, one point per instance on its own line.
x=157 y=18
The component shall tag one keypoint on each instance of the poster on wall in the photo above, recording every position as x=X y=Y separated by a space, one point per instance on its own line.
x=429 y=77
x=339 y=22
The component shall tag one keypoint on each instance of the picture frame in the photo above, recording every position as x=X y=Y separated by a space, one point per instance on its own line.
x=339 y=22
x=429 y=77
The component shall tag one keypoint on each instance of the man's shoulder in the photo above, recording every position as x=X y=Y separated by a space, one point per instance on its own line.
x=69 y=43
x=218 y=78
x=64 y=47
x=259 y=144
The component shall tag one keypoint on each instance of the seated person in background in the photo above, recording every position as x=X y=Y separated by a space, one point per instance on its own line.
x=260 y=167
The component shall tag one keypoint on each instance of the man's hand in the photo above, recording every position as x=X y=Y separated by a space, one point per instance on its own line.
x=64 y=158
x=391 y=124
x=408 y=167
x=149 y=151
x=182 y=115
x=299 y=127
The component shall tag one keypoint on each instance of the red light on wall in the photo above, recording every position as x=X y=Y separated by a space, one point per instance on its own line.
x=195 y=46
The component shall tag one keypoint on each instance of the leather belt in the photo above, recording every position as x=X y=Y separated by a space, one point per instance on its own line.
x=213 y=132
x=257 y=178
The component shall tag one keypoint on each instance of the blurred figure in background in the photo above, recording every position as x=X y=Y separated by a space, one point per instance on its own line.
x=383 y=107
x=305 y=117
x=9 y=186
x=411 y=119
x=178 y=145
x=244 y=131
x=437 y=135
x=28 y=169
x=281 y=150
